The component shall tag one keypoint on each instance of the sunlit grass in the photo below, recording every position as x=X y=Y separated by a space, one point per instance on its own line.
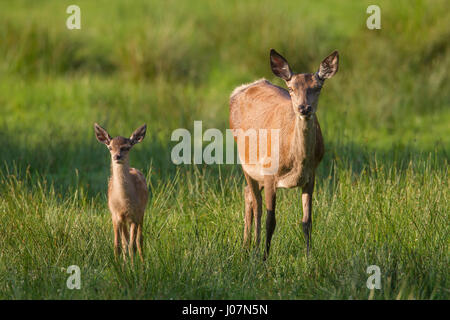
x=390 y=217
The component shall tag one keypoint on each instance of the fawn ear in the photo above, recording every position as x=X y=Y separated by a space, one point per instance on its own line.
x=329 y=66
x=101 y=134
x=138 y=135
x=280 y=66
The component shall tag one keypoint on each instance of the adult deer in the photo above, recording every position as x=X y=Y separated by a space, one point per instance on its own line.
x=263 y=105
x=127 y=192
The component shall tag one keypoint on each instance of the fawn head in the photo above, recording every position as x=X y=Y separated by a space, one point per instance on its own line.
x=304 y=88
x=119 y=146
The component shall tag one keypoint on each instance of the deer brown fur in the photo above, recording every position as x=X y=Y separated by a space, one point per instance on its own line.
x=127 y=192
x=263 y=105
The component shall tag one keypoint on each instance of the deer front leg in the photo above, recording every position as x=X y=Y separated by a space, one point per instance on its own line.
x=117 y=239
x=124 y=235
x=131 y=243
x=270 y=196
x=307 y=193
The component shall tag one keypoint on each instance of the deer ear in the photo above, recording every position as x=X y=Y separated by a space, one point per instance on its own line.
x=101 y=134
x=280 y=66
x=138 y=135
x=329 y=66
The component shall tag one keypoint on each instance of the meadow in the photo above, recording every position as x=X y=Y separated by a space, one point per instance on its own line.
x=382 y=190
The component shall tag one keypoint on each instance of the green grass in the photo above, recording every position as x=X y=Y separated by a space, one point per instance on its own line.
x=382 y=191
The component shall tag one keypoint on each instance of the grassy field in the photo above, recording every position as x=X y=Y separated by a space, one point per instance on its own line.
x=382 y=190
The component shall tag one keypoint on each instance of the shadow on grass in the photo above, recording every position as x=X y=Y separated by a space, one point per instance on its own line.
x=69 y=164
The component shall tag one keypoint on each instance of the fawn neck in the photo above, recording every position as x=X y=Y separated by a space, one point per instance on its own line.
x=120 y=175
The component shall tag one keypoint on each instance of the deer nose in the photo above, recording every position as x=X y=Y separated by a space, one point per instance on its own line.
x=304 y=110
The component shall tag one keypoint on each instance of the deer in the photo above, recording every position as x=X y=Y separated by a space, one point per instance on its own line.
x=127 y=192
x=263 y=105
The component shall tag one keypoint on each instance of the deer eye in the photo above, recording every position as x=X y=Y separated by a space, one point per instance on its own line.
x=124 y=148
x=314 y=90
x=290 y=90
x=109 y=148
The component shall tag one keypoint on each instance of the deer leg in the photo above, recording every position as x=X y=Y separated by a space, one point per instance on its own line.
x=131 y=243
x=257 y=208
x=257 y=211
x=124 y=235
x=307 y=193
x=139 y=241
x=256 y=200
x=117 y=239
x=270 y=197
x=248 y=216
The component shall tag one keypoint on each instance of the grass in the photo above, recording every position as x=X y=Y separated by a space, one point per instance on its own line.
x=382 y=193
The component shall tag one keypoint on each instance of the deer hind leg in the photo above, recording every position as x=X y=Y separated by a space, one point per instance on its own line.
x=254 y=192
x=139 y=241
x=248 y=219
x=257 y=208
x=270 y=197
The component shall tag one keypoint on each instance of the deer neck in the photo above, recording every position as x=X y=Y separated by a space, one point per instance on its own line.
x=304 y=139
x=120 y=176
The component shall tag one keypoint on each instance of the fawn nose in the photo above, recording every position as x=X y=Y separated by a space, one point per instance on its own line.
x=304 y=109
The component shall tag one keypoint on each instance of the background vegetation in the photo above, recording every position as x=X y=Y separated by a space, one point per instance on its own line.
x=382 y=194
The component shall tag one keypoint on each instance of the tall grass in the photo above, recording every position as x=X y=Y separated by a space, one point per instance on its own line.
x=396 y=219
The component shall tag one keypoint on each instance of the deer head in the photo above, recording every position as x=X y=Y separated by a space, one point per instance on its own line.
x=304 y=88
x=119 y=147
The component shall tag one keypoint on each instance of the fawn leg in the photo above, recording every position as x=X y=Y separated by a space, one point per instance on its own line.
x=131 y=243
x=139 y=241
x=116 y=239
x=124 y=235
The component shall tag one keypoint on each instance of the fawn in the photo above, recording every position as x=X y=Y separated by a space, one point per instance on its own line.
x=127 y=192
x=263 y=105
